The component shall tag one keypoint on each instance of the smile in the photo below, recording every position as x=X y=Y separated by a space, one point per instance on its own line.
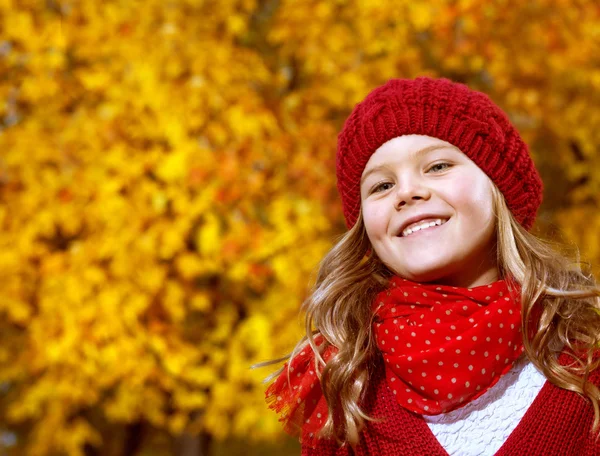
x=422 y=225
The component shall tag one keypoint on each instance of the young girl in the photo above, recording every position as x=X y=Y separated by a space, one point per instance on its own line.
x=438 y=323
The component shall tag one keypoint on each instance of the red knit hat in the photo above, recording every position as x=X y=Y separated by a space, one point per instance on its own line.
x=451 y=112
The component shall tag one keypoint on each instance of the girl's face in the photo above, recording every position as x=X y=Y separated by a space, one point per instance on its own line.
x=428 y=212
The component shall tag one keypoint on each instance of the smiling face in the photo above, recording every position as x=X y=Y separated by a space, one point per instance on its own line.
x=428 y=212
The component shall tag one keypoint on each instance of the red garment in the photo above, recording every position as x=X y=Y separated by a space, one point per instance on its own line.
x=445 y=346
x=558 y=423
x=447 y=110
x=296 y=394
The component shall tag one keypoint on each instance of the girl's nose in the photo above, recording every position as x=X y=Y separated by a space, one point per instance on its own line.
x=411 y=191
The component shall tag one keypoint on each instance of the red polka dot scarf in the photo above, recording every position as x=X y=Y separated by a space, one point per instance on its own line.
x=445 y=346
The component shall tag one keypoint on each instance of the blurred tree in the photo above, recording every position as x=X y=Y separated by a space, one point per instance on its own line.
x=167 y=188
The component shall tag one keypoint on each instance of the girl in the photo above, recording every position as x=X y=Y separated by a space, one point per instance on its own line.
x=439 y=324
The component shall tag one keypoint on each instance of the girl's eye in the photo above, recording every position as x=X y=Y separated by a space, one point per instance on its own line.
x=440 y=167
x=382 y=187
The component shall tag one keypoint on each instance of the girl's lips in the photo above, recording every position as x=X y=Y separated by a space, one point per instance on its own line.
x=423 y=232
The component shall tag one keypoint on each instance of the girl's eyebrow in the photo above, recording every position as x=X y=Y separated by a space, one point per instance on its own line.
x=414 y=154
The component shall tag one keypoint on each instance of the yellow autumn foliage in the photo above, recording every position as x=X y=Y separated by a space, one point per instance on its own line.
x=167 y=186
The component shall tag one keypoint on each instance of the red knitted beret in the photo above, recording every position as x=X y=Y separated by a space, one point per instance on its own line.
x=446 y=110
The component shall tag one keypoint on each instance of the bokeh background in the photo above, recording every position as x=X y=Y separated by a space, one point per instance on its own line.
x=167 y=189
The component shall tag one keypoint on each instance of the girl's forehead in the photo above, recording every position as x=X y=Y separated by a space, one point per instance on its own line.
x=407 y=147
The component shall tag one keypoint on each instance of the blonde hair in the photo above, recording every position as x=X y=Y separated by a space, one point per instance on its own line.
x=553 y=287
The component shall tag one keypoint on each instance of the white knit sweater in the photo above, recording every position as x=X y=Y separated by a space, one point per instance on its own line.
x=482 y=426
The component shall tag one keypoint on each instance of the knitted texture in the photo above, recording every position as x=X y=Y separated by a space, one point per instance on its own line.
x=558 y=423
x=448 y=111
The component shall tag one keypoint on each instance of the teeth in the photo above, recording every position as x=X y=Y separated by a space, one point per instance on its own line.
x=422 y=226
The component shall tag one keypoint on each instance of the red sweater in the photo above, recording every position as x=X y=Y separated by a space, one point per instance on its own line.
x=558 y=423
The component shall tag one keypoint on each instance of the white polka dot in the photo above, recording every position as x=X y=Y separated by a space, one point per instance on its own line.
x=488 y=339
x=452 y=327
x=455 y=364
x=449 y=395
x=436 y=391
x=474 y=338
x=457 y=350
x=440 y=363
x=394 y=391
x=318 y=415
x=405 y=293
x=470 y=367
x=437 y=320
x=459 y=338
x=386 y=331
x=408 y=345
x=500 y=340
x=439 y=377
x=467 y=384
x=483 y=371
x=410 y=401
x=409 y=358
x=413 y=334
x=428 y=342
x=472 y=352
x=453 y=380
x=410 y=371
x=425 y=361
x=448 y=312
x=465 y=308
x=442 y=350
x=432 y=331
x=393 y=309
x=424 y=374
x=426 y=407
x=488 y=298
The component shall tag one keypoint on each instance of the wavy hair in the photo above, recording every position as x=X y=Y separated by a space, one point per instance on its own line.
x=560 y=309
